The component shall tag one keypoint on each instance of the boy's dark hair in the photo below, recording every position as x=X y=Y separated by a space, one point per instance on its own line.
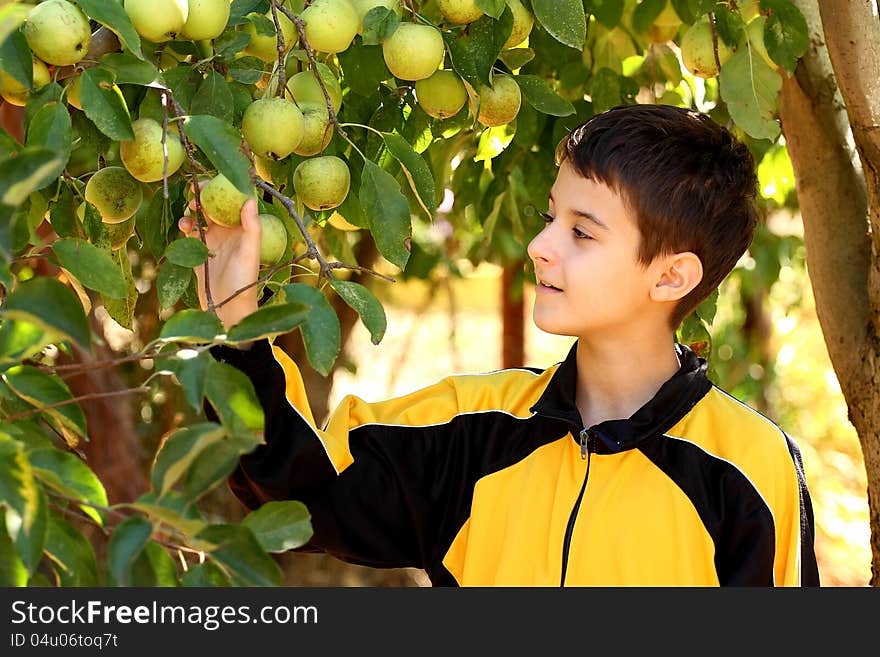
x=690 y=184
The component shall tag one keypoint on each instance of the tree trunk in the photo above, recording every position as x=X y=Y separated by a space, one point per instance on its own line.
x=512 y=317
x=838 y=195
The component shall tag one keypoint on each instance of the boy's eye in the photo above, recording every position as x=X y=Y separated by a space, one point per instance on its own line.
x=548 y=218
x=581 y=235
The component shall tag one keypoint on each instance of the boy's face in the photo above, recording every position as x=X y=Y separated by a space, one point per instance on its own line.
x=588 y=252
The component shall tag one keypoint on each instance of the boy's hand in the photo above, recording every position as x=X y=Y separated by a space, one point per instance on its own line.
x=233 y=263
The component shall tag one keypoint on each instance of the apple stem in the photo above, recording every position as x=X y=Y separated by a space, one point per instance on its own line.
x=206 y=48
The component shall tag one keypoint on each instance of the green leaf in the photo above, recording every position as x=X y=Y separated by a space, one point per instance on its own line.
x=12 y=570
x=388 y=213
x=205 y=574
x=51 y=128
x=127 y=543
x=27 y=171
x=515 y=58
x=191 y=326
x=368 y=307
x=786 y=34
x=607 y=12
x=232 y=395
x=214 y=465
x=321 y=332
x=179 y=451
x=71 y=554
x=190 y=372
x=154 y=567
x=67 y=474
x=213 y=98
x=563 y=19
x=104 y=104
x=268 y=321
x=162 y=512
x=379 y=24
x=280 y=526
x=493 y=8
x=26 y=514
x=114 y=17
x=128 y=69
x=40 y=390
x=171 y=283
x=247 y=70
x=751 y=90
x=539 y=95
x=20 y=339
x=92 y=266
x=187 y=252
x=417 y=172
x=122 y=310
x=238 y=551
x=645 y=13
x=16 y=60
x=463 y=61
x=221 y=143
x=485 y=41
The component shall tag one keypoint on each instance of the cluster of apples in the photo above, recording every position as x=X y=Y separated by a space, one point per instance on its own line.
x=298 y=122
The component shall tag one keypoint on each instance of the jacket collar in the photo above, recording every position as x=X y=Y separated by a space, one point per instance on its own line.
x=675 y=398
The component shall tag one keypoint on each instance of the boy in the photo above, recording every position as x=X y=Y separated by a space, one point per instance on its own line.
x=623 y=464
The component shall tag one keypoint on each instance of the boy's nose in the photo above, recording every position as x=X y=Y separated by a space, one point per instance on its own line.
x=539 y=248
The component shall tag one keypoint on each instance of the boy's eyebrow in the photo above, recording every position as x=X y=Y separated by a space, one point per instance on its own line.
x=586 y=215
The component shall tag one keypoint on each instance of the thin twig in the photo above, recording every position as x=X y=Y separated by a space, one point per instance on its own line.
x=201 y=220
x=279 y=35
x=79 y=368
x=714 y=40
x=73 y=400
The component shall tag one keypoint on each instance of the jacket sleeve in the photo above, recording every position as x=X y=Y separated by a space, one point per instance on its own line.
x=795 y=563
x=378 y=479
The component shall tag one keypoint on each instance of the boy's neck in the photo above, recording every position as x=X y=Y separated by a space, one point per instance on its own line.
x=617 y=377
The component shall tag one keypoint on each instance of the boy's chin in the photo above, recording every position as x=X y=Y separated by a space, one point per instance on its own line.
x=550 y=327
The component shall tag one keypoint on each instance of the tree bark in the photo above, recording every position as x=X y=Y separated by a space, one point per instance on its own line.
x=512 y=318
x=829 y=103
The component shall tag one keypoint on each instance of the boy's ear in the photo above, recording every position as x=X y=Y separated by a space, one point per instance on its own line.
x=679 y=274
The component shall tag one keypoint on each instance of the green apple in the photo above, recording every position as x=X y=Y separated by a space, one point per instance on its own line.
x=266 y=47
x=144 y=157
x=331 y=25
x=523 y=21
x=15 y=93
x=317 y=129
x=157 y=20
x=665 y=26
x=305 y=88
x=58 y=32
x=364 y=6
x=273 y=239
x=205 y=19
x=500 y=103
x=222 y=201
x=459 y=11
x=442 y=95
x=698 y=52
x=322 y=182
x=261 y=166
x=413 y=51
x=115 y=194
x=273 y=127
x=755 y=36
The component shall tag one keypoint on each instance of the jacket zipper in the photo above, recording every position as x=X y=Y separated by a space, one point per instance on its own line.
x=587 y=442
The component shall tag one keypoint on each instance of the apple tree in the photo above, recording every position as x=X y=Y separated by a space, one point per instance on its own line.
x=382 y=140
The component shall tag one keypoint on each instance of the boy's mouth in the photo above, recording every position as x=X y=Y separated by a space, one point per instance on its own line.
x=547 y=286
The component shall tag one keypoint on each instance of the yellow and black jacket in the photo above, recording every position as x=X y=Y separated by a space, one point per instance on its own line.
x=491 y=480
